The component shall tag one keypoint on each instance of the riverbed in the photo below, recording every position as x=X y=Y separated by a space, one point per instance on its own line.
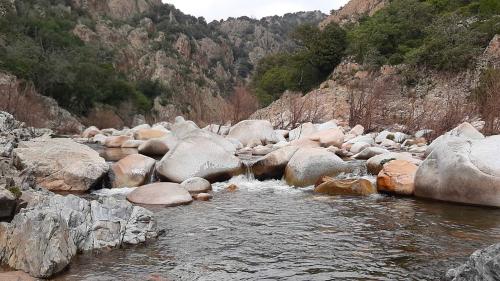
x=270 y=231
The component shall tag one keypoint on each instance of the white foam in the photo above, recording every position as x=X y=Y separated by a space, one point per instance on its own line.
x=113 y=191
x=253 y=185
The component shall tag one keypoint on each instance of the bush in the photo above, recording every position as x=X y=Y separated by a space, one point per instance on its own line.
x=320 y=53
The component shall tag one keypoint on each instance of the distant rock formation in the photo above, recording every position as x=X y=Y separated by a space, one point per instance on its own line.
x=353 y=11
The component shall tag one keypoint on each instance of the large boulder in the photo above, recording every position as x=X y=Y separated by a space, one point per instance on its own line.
x=332 y=186
x=61 y=164
x=482 y=265
x=132 y=144
x=463 y=131
x=462 y=170
x=273 y=165
x=116 y=141
x=309 y=164
x=165 y=194
x=376 y=163
x=43 y=238
x=196 y=185
x=329 y=137
x=161 y=146
x=199 y=156
x=90 y=132
x=132 y=171
x=398 y=177
x=357 y=130
x=182 y=128
x=147 y=134
x=303 y=131
x=252 y=132
x=370 y=152
x=358 y=147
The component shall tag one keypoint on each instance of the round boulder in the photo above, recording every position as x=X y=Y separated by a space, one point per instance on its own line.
x=462 y=170
x=196 y=185
x=376 y=163
x=132 y=171
x=273 y=165
x=158 y=146
x=329 y=137
x=165 y=194
x=251 y=132
x=199 y=156
x=309 y=164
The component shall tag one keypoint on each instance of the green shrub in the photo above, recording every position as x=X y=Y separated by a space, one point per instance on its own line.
x=16 y=191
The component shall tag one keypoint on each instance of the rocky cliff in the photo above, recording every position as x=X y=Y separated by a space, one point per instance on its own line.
x=353 y=11
x=197 y=63
x=115 y=9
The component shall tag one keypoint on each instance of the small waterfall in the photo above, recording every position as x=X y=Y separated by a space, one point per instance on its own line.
x=248 y=171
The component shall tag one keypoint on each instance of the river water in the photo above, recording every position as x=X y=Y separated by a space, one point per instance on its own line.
x=269 y=231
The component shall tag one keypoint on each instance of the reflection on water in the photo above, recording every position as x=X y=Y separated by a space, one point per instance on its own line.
x=269 y=231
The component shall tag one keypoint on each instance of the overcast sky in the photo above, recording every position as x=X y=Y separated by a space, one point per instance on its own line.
x=222 y=9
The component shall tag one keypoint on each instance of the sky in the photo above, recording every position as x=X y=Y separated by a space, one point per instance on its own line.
x=222 y=9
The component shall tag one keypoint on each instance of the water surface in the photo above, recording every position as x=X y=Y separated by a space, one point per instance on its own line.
x=269 y=231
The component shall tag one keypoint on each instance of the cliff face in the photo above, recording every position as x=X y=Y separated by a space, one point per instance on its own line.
x=254 y=39
x=115 y=9
x=197 y=63
x=353 y=11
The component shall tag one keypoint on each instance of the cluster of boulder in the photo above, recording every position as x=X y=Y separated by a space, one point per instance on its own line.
x=40 y=231
x=175 y=163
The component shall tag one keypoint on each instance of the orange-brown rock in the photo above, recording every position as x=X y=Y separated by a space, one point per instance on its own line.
x=116 y=141
x=397 y=176
x=132 y=171
x=346 y=187
x=147 y=134
x=232 y=188
x=202 y=197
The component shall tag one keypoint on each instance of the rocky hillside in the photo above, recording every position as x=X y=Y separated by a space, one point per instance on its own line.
x=149 y=58
x=353 y=11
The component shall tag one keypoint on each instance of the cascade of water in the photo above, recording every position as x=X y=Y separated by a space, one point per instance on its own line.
x=248 y=171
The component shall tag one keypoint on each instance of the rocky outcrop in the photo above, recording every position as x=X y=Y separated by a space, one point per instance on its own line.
x=462 y=170
x=481 y=265
x=43 y=238
x=116 y=9
x=53 y=163
x=353 y=11
x=35 y=109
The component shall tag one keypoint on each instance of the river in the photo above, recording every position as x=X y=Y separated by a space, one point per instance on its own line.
x=269 y=231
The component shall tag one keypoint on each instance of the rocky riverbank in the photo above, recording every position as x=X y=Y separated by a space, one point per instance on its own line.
x=459 y=166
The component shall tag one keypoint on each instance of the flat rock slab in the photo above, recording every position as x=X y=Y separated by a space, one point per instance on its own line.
x=61 y=164
x=165 y=194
